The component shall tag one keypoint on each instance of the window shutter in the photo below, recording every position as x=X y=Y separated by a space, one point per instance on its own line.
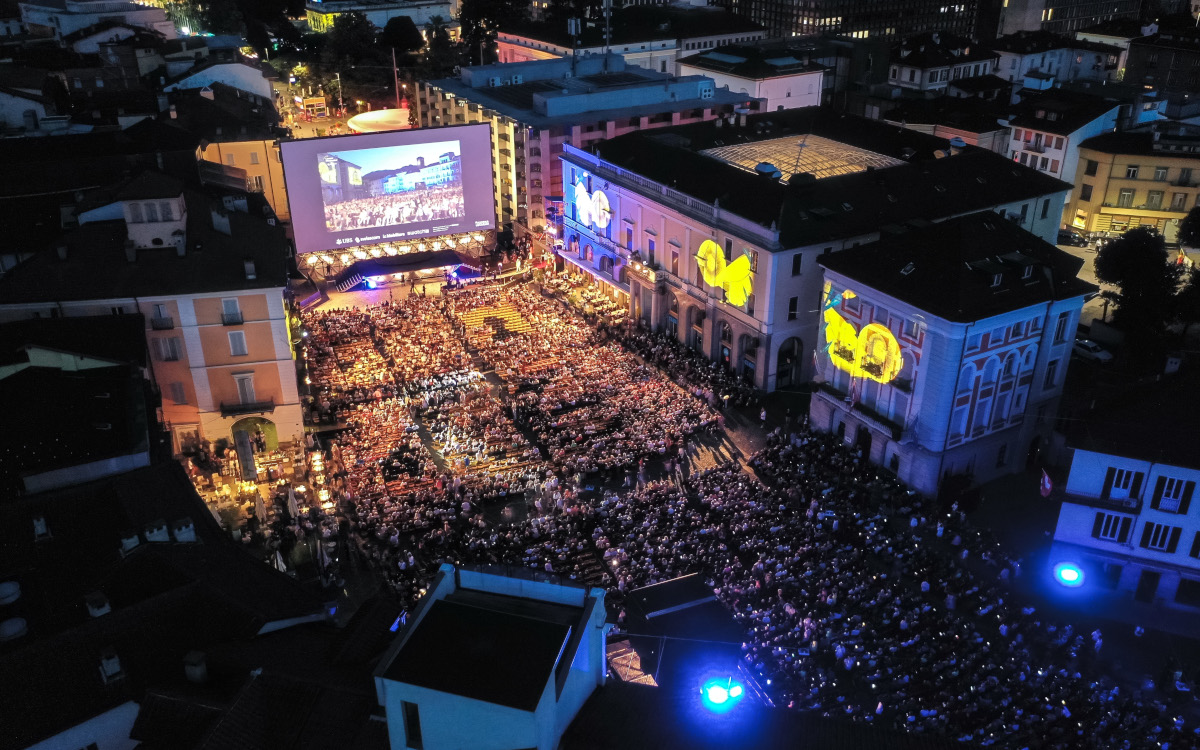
x=1135 y=487
x=1186 y=500
x=1158 y=492
x=1123 y=536
x=1195 y=545
x=1147 y=530
x=1174 y=543
x=1098 y=525
x=1109 y=476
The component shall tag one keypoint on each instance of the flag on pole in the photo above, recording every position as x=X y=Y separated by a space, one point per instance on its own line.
x=1047 y=486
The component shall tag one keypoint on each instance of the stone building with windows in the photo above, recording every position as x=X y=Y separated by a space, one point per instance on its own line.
x=713 y=232
x=943 y=350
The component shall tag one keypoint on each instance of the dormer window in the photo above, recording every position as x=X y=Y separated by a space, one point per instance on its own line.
x=135 y=213
x=167 y=212
x=1028 y=273
x=1041 y=114
x=996 y=279
x=151 y=212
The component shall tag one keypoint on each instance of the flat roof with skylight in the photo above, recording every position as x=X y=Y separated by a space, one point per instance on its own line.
x=812 y=154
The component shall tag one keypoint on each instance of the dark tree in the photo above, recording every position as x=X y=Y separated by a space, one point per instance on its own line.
x=1189 y=229
x=443 y=56
x=351 y=39
x=402 y=35
x=222 y=17
x=481 y=19
x=1137 y=263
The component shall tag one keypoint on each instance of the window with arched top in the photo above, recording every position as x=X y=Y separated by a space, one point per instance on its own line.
x=726 y=332
x=587 y=252
x=966 y=379
x=606 y=265
x=1010 y=366
x=1028 y=360
x=990 y=370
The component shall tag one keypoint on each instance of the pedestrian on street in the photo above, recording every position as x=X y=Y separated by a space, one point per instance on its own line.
x=762 y=416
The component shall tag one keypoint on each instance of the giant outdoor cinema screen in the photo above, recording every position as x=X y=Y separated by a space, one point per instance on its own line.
x=399 y=186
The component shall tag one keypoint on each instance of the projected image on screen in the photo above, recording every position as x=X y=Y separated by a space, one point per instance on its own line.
x=381 y=187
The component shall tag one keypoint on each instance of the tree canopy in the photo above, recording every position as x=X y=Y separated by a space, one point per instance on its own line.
x=402 y=35
x=481 y=18
x=1189 y=229
x=1138 y=264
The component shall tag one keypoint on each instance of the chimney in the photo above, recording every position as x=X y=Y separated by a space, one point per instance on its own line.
x=110 y=666
x=41 y=531
x=31 y=119
x=174 y=114
x=129 y=542
x=251 y=271
x=195 y=666
x=179 y=239
x=130 y=251
x=62 y=251
x=156 y=531
x=162 y=103
x=183 y=530
x=97 y=604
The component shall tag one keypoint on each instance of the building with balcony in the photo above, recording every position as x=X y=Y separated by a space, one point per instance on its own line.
x=535 y=108
x=208 y=276
x=1064 y=57
x=943 y=350
x=713 y=232
x=931 y=63
x=650 y=37
x=1144 y=177
x=488 y=660
x=1049 y=126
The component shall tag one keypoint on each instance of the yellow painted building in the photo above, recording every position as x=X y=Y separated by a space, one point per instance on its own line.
x=1147 y=177
x=264 y=170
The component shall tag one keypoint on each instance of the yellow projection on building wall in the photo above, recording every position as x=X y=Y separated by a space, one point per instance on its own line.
x=871 y=353
x=735 y=278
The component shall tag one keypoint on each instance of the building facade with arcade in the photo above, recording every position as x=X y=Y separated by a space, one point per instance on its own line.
x=698 y=232
x=943 y=350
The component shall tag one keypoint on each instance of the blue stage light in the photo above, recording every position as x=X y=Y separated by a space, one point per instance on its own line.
x=370 y=283
x=721 y=694
x=1068 y=574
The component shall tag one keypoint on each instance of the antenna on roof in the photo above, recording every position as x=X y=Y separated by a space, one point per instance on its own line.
x=799 y=152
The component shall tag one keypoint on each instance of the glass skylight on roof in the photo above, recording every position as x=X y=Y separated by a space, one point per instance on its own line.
x=722 y=57
x=818 y=156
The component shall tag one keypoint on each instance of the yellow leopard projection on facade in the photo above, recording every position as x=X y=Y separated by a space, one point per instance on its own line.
x=735 y=278
x=871 y=353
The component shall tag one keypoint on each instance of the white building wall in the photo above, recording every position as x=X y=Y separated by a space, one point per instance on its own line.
x=238 y=75
x=782 y=92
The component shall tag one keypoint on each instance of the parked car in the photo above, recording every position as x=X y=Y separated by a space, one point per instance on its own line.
x=1088 y=349
x=1071 y=237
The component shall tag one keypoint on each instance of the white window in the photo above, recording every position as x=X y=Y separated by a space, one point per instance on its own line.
x=1160 y=537
x=229 y=160
x=254 y=157
x=231 y=314
x=237 y=344
x=1060 y=327
x=135 y=213
x=245 y=387
x=1111 y=527
x=1122 y=479
x=169 y=349
x=1174 y=492
x=255 y=183
x=151 y=212
x=167 y=212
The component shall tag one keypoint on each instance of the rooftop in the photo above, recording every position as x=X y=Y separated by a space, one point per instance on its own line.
x=755 y=62
x=937 y=50
x=1060 y=112
x=166 y=598
x=473 y=649
x=641 y=24
x=1035 y=42
x=218 y=113
x=1156 y=140
x=1121 y=28
x=971 y=114
x=948 y=269
x=1117 y=425
x=96 y=266
x=811 y=210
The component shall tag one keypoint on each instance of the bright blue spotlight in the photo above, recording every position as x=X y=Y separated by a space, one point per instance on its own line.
x=370 y=283
x=721 y=694
x=1068 y=574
